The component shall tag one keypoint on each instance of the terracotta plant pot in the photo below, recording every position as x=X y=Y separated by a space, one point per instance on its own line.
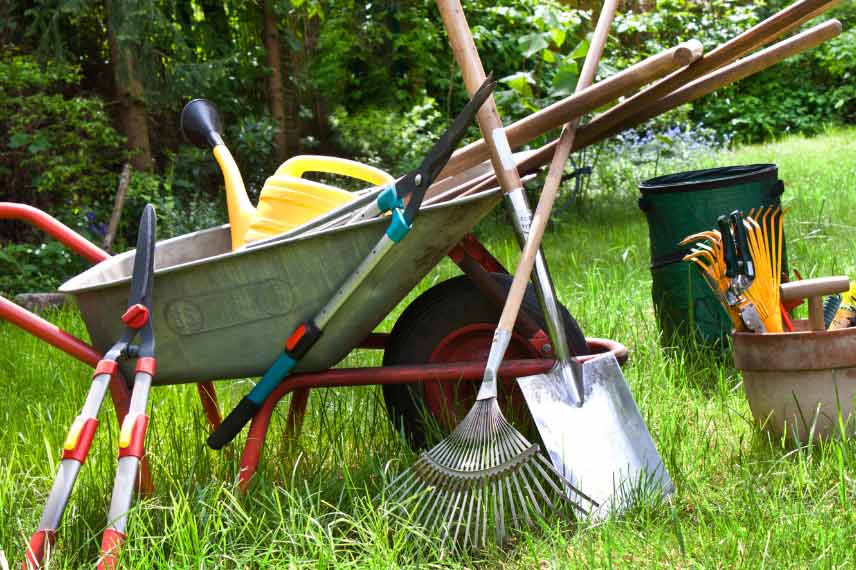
x=800 y=381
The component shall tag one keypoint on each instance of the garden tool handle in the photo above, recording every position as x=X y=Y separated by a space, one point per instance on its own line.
x=299 y=165
x=745 y=265
x=729 y=251
x=814 y=290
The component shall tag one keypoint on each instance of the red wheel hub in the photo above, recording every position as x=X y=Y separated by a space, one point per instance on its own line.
x=448 y=402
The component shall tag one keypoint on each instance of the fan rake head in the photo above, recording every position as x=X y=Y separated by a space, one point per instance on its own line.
x=482 y=482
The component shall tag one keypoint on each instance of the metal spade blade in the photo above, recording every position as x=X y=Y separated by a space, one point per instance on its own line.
x=594 y=433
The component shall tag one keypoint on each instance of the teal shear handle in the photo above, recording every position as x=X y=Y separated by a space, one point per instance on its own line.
x=411 y=187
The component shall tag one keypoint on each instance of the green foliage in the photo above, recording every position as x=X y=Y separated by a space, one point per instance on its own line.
x=63 y=147
x=26 y=267
x=394 y=141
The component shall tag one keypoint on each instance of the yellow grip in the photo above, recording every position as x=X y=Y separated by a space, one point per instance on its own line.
x=299 y=165
x=73 y=434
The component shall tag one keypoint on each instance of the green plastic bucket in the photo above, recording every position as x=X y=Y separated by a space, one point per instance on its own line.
x=677 y=205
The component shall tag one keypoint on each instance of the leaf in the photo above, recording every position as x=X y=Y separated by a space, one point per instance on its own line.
x=549 y=56
x=533 y=43
x=18 y=140
x=558 y=35
x=580 y=51
x=565 y=81
x=521 y=82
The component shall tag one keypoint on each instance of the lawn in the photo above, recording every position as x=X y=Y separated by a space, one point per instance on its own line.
x=743 y=499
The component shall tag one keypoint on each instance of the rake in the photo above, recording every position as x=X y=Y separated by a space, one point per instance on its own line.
x=486 y=470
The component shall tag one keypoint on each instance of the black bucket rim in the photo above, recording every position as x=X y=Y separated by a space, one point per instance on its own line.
x=724 y=177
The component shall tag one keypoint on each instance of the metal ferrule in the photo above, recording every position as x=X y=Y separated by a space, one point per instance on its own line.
x=501 y=339
x=521 y=215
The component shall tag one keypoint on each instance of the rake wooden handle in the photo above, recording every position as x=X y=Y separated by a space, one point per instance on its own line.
x=580 y=103
x=554 y=175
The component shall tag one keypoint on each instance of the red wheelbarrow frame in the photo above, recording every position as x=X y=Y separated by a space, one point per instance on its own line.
x=470 y=255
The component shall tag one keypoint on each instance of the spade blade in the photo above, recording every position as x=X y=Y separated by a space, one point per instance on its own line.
x=594 y=433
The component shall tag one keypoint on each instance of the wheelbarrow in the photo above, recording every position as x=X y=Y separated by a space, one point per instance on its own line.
x=220 y=313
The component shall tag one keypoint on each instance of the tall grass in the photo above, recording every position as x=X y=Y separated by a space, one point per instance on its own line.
x=744 y=498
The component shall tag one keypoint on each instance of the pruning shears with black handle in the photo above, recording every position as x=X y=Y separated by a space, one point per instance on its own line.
x=138 y=323
x=402 y=200
x=739 y=268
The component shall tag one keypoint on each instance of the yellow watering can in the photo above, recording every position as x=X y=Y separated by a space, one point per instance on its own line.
x=287 y=199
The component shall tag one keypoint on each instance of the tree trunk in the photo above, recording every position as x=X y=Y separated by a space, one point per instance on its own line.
x=130 y=93
x=276 y=101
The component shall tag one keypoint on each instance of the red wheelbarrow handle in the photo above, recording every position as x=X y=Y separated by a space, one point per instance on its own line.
x=63 y=233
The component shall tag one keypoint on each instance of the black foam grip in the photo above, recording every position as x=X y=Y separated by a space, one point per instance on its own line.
x=233 y=424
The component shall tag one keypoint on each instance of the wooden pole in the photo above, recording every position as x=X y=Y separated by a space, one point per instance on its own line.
x=118 y=205
x=759 y=35
x=592 y=133
x=582 y=102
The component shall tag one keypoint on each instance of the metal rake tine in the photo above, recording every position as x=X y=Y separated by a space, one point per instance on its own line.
x=511 y=502
x=534 y=478
x=438 y=499
x=500 y=509
x=485 y=512
x=450 y=517
x=478 y=504
x=556 y=488
x=524 y=511
x=469 y=516
x=534 y=500
x=411 y=479
x=466 y=495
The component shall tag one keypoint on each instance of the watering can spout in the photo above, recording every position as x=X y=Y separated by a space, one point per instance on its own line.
x=202 y=126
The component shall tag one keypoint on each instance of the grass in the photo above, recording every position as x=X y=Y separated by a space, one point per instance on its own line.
x=744 y=498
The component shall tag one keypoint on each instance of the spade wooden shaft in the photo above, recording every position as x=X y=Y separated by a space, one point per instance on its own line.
x=554 y=175
x=472 y=71
x=593 y=133
x=582 y=102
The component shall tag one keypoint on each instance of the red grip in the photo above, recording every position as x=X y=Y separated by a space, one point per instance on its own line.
x=146 y=364
x=110 y=545
x=84 y=441
x=105 y=367
x=41 y=541
x=136 y=446
x=136 y=316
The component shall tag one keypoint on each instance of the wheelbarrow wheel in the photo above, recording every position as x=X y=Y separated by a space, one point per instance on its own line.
x=451 y=322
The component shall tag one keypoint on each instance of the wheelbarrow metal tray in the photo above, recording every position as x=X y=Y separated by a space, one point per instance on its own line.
x=222 y=314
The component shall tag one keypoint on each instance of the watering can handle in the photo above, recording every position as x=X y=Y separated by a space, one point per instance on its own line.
x=299 y=165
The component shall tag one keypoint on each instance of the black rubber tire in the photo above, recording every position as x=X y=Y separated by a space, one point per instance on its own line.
x=448 y=306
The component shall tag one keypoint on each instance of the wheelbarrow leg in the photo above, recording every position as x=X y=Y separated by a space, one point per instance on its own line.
x=75 y=450
x=208 y=398
x=296 y=413
x=131 y=450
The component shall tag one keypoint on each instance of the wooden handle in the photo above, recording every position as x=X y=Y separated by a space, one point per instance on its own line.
x=746 y=42
x=592 y=133
x=818 y=287
x=467 y=56
x=814 y=290
x=582 y=102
